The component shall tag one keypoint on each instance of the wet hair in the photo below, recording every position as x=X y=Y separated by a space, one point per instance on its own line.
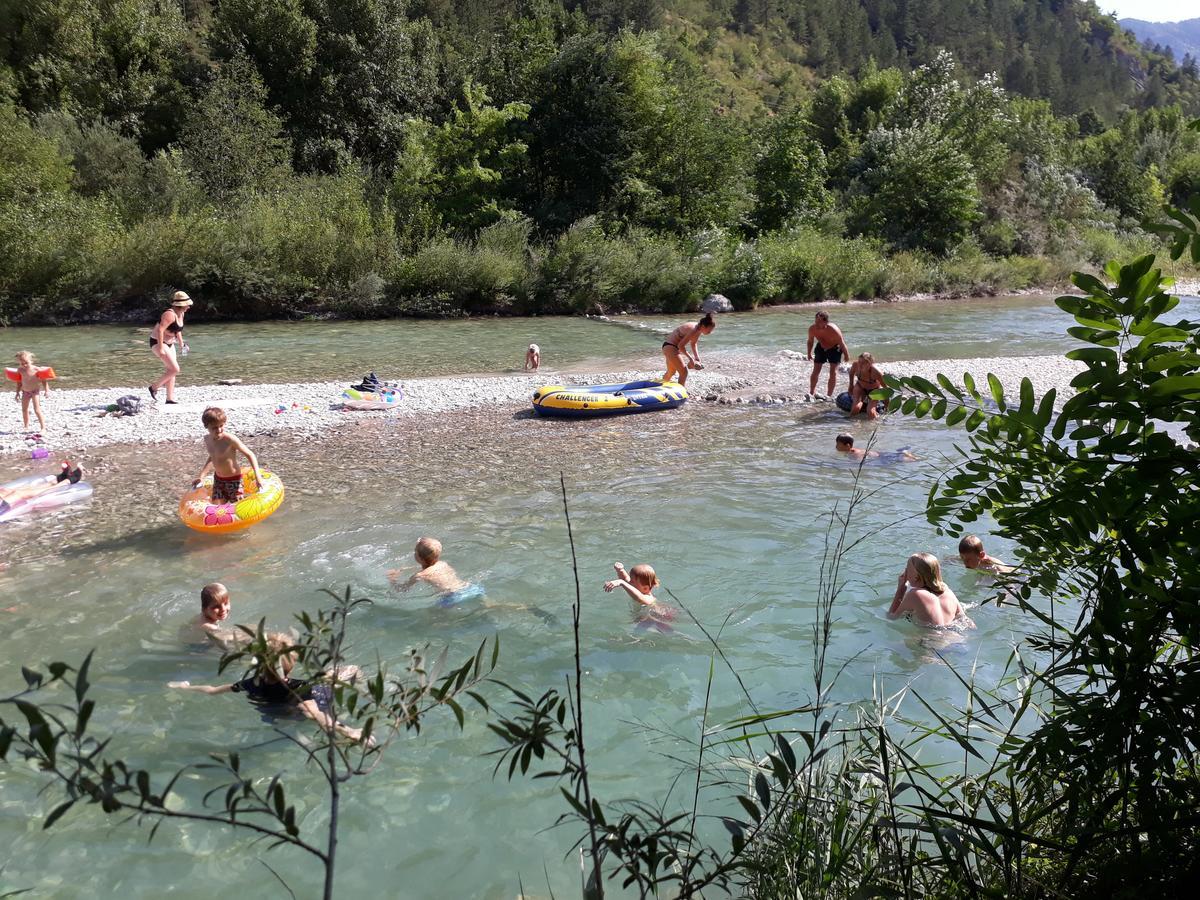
x=24 y=356
x=970 y=544
x=280 y=657
x=928 y=571
x=707 y=321
x=214 y=415
x=822 y=315
x=644 y=573
x=867 y=357
x=847 y=439
x=212 y=594
x=429 y=550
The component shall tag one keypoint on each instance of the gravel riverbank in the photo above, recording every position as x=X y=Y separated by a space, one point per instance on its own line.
x=74 y=422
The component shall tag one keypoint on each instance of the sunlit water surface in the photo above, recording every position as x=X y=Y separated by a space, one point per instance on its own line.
x=730 y=504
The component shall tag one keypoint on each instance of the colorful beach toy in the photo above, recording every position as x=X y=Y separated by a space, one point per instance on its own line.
x=197 y=510
x=71 y=494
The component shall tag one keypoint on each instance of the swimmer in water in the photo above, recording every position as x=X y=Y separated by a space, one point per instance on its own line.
x=272 y=684
x=845 y=444
x=923 y=598
x=675 y=348
x=973 y=556
x=639 y=584
x=438 y=574
x=214 y=613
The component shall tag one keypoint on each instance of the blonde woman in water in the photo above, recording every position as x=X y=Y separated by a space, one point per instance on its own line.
x=923 y=598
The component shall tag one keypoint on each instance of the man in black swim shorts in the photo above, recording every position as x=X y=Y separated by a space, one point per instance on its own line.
x=830 y=348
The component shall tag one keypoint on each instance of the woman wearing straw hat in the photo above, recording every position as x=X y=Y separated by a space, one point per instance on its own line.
x=164 y=337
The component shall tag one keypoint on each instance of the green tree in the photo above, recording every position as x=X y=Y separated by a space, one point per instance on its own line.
x=231 y=143
x=344 y=74
x=789 y=176
x=454 y=175
x=914 y=189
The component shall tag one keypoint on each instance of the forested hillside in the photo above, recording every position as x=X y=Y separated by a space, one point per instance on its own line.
x=376 y=157
x=1181 y=39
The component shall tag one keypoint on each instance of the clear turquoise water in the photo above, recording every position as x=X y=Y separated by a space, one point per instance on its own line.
x=730 y=504
x=99 y=355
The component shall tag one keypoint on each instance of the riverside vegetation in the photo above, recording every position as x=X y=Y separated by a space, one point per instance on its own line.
x=1079 y=769
x=449 y=157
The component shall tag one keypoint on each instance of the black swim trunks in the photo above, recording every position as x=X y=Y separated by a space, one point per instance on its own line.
x=833 y=355
x=669 y=344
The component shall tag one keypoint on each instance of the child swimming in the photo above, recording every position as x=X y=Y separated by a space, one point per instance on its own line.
x=451 y=589
x=214 y=613
x=639 y=583
x=844 y=443
x=271 y=684
x=223 y=449
x=973 y=556
x=923 y=598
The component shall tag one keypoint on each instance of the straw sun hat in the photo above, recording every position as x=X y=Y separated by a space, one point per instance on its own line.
x=180 y=298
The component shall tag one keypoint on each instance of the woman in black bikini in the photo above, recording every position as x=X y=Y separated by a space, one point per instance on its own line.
x=675 y=347
x=864 y=378
x=163 y=339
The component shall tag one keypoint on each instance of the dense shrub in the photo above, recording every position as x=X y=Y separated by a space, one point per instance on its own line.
x=810 y=265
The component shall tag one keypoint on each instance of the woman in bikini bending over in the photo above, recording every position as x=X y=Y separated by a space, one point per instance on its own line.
x=675 y=347
x=864 y=378
x=164 y=337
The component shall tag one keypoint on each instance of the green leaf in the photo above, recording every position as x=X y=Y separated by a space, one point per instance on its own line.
x=1089 y=283
x=997 y=390
x=57 y=813
x=956 y=415
x=975 y=419
x=1183 y=386
x=1093 y=355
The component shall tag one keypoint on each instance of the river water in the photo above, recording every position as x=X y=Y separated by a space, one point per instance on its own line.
x=731 y=504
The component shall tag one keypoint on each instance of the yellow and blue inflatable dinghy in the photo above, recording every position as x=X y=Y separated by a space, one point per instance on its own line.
x=579 y=401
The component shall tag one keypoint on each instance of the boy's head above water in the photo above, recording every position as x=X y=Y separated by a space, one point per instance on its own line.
x=428 y=551
x=643 y=576
x=214 y=602
x=214 y=418
x=845 y=442
x=970 y=551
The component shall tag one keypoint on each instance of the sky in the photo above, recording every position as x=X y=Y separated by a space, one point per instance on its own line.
x=1152 y=10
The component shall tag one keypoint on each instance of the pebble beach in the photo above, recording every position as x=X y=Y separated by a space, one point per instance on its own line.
x=74 y=420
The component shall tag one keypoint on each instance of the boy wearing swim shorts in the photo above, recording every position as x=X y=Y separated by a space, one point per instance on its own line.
x=223 y=449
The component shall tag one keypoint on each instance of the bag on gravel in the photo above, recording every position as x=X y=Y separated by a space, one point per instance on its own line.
x=129 y=405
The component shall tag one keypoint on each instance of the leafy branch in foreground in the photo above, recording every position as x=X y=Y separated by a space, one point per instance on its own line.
x=53 y=732
x=1101 y=496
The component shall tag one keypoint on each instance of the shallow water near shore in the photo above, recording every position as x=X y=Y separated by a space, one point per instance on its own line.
x=729 y=503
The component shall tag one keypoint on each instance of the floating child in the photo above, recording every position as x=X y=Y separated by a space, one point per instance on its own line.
x=639 y=583
x=27 y=490
x=438 y=574
x=845 y=444
x=271 y=684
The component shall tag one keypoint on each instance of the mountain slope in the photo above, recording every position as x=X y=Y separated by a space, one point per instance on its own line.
x=1181 y=37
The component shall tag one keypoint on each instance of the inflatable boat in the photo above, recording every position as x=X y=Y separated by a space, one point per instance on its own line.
x=580 y=401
